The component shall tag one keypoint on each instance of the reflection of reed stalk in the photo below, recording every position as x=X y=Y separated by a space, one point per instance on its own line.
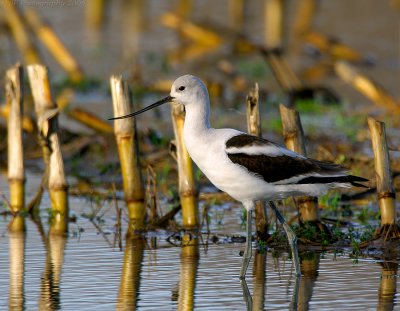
x=188 y=272
x=254 y=128
x=294 y=140
x=387 y=287
x=16 y=171
x=17 y=271
x=47 y=113
x=385 y=189
x=187 y=185
x=50 y=298
x=128 y=150
x=130 y=278
x=259 y=273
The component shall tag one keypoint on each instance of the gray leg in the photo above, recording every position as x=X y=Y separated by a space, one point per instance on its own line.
x=291 y=238
x=247 y=251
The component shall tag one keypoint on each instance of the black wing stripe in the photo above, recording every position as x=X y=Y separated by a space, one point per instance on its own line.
x=244 y=140
x=350 y=179
x=273 y=169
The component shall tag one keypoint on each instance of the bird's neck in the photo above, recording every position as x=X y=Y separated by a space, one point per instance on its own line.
x=197 y=119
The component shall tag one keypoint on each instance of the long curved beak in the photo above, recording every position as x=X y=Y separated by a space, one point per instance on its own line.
x=167 y=99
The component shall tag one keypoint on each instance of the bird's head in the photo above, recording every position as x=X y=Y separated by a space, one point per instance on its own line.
x=185 y=90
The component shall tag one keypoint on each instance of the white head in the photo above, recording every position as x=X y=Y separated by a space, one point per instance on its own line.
x=188 y=89
x=185 y=90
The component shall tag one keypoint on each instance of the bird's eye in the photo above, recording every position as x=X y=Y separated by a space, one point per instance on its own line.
x=181 y=88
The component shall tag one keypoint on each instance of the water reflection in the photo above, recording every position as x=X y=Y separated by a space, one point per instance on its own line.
x=188 y=272
x=256 y=301
x=130 y=279
x=271 y=285
x=50 y=295
x=309 y=264
x=17 y=270
x=387 y=287
x=259 y=274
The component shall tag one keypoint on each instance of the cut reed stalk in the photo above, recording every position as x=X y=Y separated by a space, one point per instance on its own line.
x=366 y=86
x=47 y=115
x=200 y=35
x=274 y=19
x=184 y=8
x=95 y=14
x=335 y=49
x=19 y=32
x=284 y=74
x=128 y=150
x=236 y=14
x=294 y=140
x=385 y=189
x=188 y=272
x=80 y=115
x=254 y=128
x=16 y=170
x=89 y=120
x=53 y=43
x=303 y=20
x=187 y=186
x=28 y=124
x=130 y=278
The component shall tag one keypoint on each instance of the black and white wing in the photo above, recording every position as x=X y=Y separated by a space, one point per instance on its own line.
x=281 y=166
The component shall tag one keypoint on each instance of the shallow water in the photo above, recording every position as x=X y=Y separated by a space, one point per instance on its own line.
x=88 y=271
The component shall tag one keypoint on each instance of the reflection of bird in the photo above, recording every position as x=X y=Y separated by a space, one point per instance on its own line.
x=248 y=168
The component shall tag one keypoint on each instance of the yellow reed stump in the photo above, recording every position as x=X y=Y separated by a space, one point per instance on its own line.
x=283 y=73
x=16 y=170
x=366 y=86
x=187 y=185
x=27 y=122
x=384 y=185
x=47 y=119
x=89 y=119
x=16 y=300
x=94 y=14
x=274 y=22
x=335 y=49
x=188 y=272
x=236 y=14
x=294 y=140
x=130 y=278
x=18 y=29
x=304 y=15
x=128 y=150
x=53 y=43
x=254 y=128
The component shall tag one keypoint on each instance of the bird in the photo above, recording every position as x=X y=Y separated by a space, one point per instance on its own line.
x=247 y=167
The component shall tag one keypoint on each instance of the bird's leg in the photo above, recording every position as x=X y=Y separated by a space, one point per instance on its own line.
x=292 y=238
x=247 y=251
